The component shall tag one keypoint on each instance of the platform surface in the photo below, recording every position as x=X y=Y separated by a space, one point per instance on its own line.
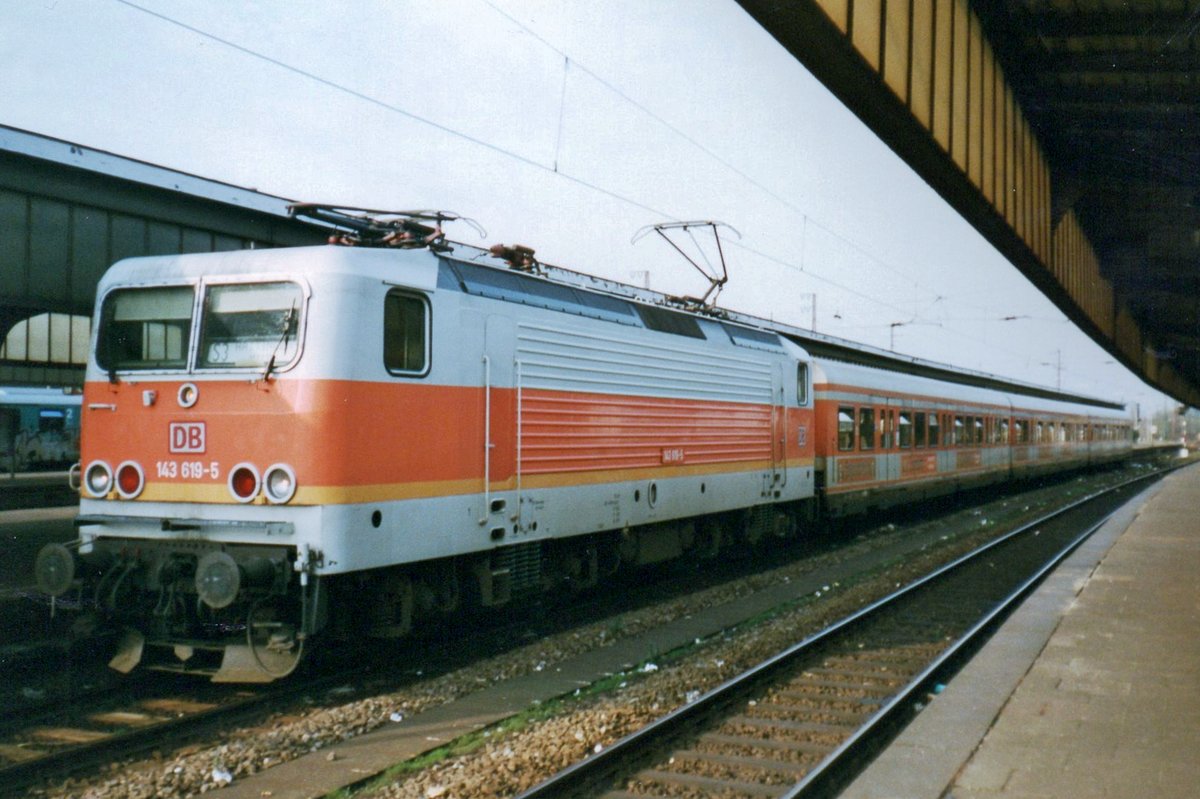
x=1090 y=689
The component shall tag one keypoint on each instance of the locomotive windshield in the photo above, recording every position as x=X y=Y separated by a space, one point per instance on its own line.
x=243 y=325
x=249 y=325
x=146 y=328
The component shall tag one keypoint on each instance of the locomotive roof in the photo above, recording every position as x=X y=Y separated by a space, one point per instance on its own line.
x=420 y=270
x=815 y=344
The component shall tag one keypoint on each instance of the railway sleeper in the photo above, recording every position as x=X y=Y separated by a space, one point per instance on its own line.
x=798 y=750
x=715 y=786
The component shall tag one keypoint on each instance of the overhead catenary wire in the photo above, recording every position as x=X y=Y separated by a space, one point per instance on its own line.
x=555 y=168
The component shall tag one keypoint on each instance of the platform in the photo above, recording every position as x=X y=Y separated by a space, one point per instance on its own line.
x=1090 y=689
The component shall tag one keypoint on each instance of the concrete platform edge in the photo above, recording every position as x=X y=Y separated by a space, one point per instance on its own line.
x=925 y=758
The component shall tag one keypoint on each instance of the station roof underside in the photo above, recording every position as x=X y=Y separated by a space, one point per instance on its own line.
x=1067 y=132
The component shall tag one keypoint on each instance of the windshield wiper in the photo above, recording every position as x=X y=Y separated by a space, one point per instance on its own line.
x=287 y=329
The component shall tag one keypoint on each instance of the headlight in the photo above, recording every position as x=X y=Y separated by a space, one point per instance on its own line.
x=130 y=480
x=188 y=394
x=243 y=482
x=54 y=569
x=218 y=579
x=98 y=479
x=279 y=483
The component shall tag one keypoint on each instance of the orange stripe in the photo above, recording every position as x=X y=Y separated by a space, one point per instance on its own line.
x=412 y=438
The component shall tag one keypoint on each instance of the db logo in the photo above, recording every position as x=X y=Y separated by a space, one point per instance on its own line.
x=187 y=437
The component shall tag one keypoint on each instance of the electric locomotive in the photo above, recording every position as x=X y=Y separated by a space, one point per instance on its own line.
x=346 y=440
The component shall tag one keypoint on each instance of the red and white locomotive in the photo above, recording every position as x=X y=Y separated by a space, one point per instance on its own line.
x=347 y=440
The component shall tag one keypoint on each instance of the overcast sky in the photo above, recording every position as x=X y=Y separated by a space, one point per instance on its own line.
x=565 y=126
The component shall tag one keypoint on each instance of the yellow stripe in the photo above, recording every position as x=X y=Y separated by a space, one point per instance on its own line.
x=211 y=493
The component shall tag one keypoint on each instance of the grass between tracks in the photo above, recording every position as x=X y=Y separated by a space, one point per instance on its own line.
x=1002 y=515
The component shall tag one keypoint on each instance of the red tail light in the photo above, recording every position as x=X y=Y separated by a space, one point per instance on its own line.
x=243 y=482
x=130 y=480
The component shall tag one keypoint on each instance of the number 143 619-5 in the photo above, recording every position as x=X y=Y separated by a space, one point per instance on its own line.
x=188 y=470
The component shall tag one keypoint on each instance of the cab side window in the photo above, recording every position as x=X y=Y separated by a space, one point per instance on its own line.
x=405 y=333
x=801 y=384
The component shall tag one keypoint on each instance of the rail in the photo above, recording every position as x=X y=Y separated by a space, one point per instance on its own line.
x=662 y=742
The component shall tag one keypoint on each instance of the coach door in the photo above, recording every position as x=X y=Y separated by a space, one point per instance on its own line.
x=889 y=446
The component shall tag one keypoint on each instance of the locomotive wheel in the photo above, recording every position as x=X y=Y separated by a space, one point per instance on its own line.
x=274 y=648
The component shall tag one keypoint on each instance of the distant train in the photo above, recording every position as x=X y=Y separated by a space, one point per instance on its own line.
x=39 y=428
x=348 y=441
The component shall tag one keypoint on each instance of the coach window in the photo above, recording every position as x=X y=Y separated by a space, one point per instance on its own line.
x=405 y=334
x=947 y=429
x=958 y=438
x=906 y=430
x=866 y=428
x=978 y=430
x=933 y=429
x=845 y=428
x=919 y=429
x=887 y=422
x=1002 y=436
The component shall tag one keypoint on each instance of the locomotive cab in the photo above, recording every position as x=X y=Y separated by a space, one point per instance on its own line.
x=199 y=534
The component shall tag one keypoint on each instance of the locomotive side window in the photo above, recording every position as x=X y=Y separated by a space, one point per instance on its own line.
x=405 y=334
x=145 y=328
x=845 y=429
x=250 y=325
x=801 y=384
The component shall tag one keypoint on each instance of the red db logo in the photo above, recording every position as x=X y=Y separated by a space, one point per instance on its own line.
x=187 y=437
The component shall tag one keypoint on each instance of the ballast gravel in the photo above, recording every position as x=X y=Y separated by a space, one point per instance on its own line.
x=505 y=764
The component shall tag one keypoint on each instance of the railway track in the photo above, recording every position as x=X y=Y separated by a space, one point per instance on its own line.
x=804 y=722
x=166 y=714
x=98 y=728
